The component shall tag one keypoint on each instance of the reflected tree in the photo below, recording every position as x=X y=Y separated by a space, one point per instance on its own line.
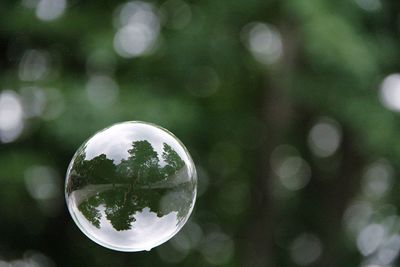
x=78 y=173
x=89 y=209
x=120 y=207
x=174 y=162
x=142 y=166
x=99 y=170
x=121 y=204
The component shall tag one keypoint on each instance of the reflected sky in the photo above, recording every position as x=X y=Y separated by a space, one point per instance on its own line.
x=115 y=140
x=131 y=186
x=148 y=229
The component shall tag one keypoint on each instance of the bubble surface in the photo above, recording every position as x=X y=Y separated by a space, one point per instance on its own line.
x=131 y=186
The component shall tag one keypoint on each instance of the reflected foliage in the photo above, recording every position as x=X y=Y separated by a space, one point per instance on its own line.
x=135 y=183
x=174 y=162
x=98 y=170
x=142 y=164
x=90 y=211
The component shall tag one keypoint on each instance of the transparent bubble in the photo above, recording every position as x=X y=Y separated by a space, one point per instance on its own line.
x=131 y=186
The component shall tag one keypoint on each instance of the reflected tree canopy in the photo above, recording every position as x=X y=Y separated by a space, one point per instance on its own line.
x=142 y=166
x=174 y=162
x=139 y=181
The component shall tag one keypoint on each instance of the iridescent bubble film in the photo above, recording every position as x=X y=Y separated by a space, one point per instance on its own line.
x=131 y=186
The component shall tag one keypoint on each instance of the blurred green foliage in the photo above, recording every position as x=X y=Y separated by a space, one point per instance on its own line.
x=279 y=102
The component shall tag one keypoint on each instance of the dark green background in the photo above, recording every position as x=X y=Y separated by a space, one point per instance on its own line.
x=202 y=83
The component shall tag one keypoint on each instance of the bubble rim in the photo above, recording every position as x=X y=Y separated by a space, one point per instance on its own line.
x=194 y=177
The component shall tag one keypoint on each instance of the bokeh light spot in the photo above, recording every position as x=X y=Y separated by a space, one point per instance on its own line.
x=138 y=31
x=11 y=116
x=369 y=5
x=217 y=248
x=43 y=184
x=293 y=172
x=390 y=92
x=47 y=10
x=102 y=91
x=55 y=104
x=370 y=238
x=34 y=101
x=377 y=179
x=306 y=249
x=34 y=65
x=264 y=42
x=390 y=250
x=176 y=14
x=203 y=82
x=357 y=216
x=325 y=137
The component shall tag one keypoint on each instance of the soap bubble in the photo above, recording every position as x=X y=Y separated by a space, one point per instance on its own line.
x=131 y=186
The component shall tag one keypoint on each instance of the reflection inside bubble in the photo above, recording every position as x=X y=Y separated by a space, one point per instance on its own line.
x=131 y=187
